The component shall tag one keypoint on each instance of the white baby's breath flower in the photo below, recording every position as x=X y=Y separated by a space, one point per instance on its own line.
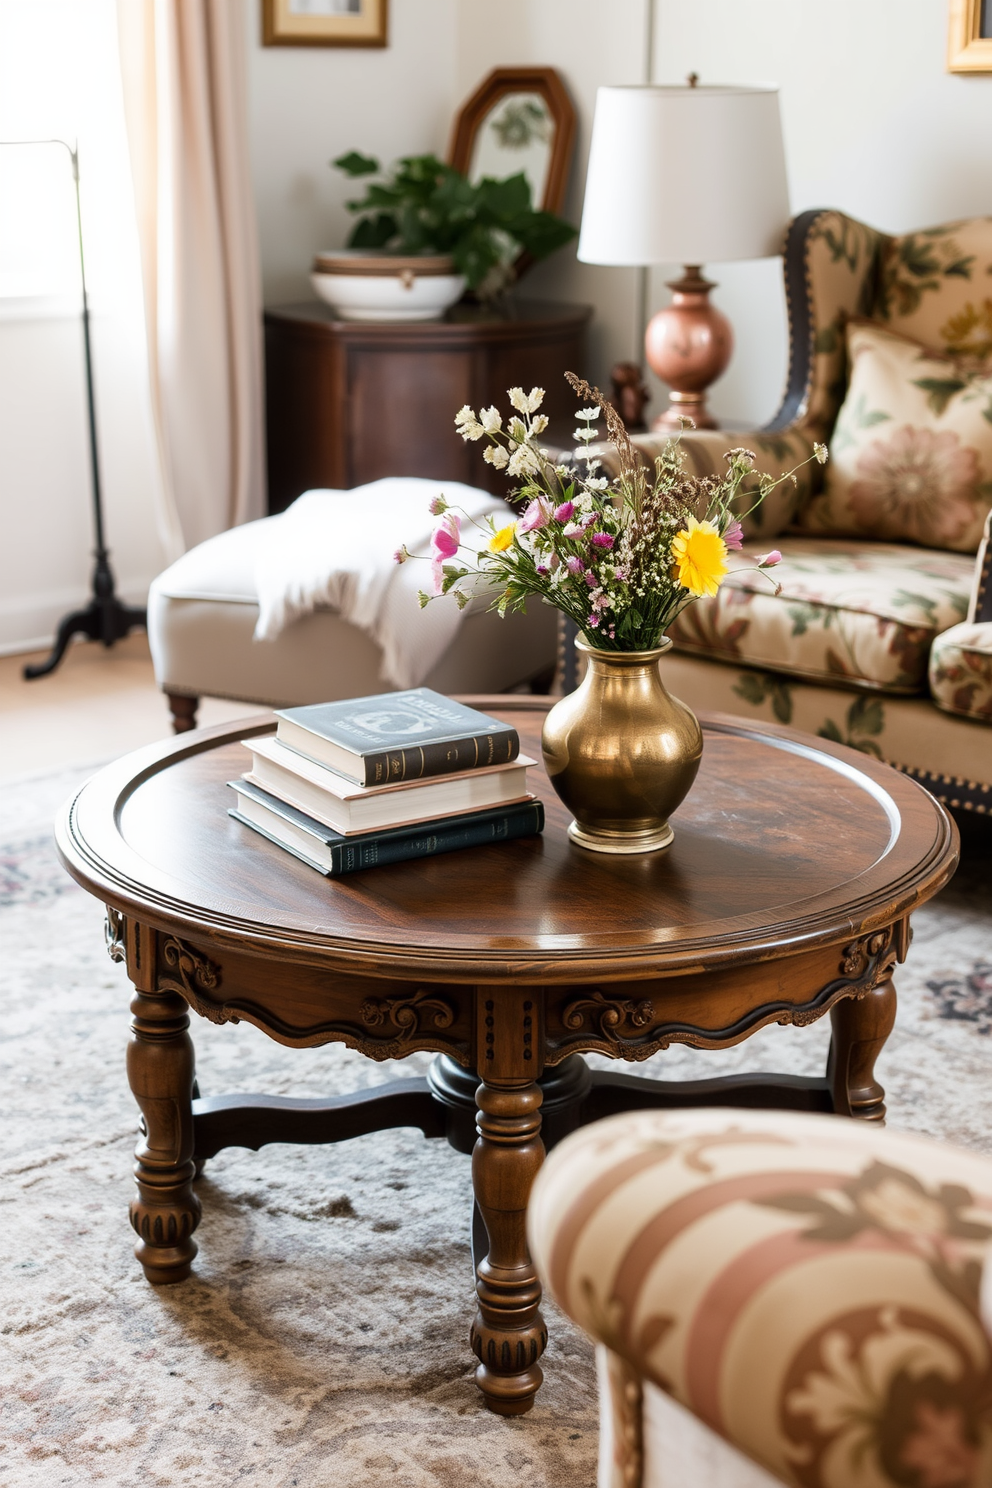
x=539 y=424
x=821 y=452
x=534 y=399
x=496 y=455
x=465 y=415
x=588 y=414
x=517 y=430
x=490 y=420
x=523 y=461
x=598 y=483
x=518 y=399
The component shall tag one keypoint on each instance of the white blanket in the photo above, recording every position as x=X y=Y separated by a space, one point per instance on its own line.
x=334 y=550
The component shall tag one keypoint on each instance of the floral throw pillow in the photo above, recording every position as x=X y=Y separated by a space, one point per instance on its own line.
x=911 y=453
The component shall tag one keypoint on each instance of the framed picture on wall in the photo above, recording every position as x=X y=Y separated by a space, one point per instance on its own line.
x=969 y=42
x=360 y=23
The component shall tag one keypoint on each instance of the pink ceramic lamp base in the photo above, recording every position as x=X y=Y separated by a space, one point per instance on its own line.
x=688 y=344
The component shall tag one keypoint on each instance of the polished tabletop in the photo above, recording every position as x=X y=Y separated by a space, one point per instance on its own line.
x=784 y=841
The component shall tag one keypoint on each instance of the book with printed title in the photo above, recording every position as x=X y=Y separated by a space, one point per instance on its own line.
x=395 y=737
x=334 y=854
x=349 y=808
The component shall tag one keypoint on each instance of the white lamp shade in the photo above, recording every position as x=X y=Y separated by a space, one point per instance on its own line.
x=684 y=175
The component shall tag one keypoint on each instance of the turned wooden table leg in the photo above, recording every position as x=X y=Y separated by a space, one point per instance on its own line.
x=165 y=1211
x=860 y=1027
x=508 y=1335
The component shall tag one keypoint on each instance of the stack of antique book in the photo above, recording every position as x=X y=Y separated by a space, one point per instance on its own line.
x=383 y=779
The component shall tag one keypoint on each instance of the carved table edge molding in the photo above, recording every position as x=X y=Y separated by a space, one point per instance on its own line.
x=191 y=974
x=612 y=1021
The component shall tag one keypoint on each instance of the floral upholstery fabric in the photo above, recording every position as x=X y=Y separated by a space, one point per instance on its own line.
x=807 y=1286
x=863 y=612
x=936 y=286
x=951 y=756
x=911 y=452
x=961 y=672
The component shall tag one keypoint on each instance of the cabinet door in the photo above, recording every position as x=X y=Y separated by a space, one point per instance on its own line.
x=401 y=414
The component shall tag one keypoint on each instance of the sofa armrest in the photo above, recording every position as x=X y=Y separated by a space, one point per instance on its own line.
x=960 y=671
x=806 y=1286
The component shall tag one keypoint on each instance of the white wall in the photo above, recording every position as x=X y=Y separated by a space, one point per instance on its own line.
x=873 y=124
x=310 y=104
x=591 y=43
x=59 y=75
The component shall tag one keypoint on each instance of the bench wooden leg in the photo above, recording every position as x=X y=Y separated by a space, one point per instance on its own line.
x=183 y=710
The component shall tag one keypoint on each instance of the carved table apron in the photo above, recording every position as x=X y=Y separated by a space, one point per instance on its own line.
x=786 y=896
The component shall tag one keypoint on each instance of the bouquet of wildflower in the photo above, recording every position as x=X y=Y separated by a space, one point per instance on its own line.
x=620 y=558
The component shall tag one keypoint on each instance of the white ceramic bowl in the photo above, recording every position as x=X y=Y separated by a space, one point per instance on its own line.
x=362 y=286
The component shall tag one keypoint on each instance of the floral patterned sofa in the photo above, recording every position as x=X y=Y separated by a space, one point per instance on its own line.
x=881 y=634
x=777 y=1298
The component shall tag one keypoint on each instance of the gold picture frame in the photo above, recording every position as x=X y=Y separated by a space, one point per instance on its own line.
x=969 y=40
x=330 y=23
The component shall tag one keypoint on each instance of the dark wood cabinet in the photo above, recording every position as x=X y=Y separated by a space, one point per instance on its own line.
x=348 y=402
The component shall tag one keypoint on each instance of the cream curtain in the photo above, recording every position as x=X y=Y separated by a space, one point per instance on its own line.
x=184 y=65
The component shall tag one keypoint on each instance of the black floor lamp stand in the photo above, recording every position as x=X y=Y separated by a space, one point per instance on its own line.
x=106 y=618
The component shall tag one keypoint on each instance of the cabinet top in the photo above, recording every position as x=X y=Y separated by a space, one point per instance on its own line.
x=461 y=323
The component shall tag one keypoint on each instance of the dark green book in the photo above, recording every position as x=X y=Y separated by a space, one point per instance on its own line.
x=333 y=855
x=396 y=736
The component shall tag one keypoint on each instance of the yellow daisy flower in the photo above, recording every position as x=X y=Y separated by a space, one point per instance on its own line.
x=700 y=555
x=502 y=539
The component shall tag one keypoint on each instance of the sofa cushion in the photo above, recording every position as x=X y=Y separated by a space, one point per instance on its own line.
x=961 y=671
x=911 y=452
x=934 y=286
x=862 y=613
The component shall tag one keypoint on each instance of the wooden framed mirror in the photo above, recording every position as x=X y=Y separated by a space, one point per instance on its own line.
x=518 y=119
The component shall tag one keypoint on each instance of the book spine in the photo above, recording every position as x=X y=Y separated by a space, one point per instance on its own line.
x=418 y=761
x=374 y=852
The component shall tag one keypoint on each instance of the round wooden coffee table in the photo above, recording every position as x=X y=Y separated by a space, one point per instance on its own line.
x=786 y=895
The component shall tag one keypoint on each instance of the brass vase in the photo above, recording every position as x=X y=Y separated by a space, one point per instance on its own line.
x=621 y=752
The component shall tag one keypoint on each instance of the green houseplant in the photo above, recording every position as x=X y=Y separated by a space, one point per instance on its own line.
x=423 y=206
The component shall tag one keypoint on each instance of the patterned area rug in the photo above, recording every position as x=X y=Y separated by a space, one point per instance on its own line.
x=322 y=1341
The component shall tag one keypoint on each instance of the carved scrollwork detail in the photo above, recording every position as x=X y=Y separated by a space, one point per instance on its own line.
x=609 y=1016
x=115 y=931
x=864 y=964
x=869 y=960
x=402 y=1016
x=194 y=974
x=856 y=957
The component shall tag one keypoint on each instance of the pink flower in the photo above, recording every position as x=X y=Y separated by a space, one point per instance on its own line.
x=437 y=571
x=770 y=559
x=574 y=529
x=444 y=540
x=593 y=621
x=540 y=568
x=734 y=536
x=536 y=515
x=437 y=506
x=575 y=565
x=592 y=581
x=589 y=519
x=601 y=602
x=602 y=540
x=563 y=512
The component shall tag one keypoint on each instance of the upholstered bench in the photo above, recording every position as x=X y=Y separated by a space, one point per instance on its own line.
x=202 y=613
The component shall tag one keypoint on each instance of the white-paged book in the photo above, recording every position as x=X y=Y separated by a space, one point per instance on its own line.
x=348 y=808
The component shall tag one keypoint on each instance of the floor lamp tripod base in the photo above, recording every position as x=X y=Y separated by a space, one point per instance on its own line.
x=688 y=344
x=106 y=618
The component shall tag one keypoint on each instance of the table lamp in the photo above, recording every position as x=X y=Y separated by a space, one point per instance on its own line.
x=689 y=175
